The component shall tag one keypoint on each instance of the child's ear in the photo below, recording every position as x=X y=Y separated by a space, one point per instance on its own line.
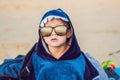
x=69 y=33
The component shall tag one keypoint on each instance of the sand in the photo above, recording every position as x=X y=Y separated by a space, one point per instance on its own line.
x=96 y=23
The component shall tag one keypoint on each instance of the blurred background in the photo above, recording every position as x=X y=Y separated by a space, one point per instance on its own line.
x=96 y=23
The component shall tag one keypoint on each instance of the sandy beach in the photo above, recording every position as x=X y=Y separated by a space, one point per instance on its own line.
x=96 y=23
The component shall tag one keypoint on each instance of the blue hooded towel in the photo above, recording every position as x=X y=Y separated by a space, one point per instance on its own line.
x=73 y=65
x=40 y=65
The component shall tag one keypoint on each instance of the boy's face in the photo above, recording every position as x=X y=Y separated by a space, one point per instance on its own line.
x=55 y=40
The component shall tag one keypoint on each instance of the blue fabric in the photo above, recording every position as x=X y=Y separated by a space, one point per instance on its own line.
x=117 y=70
x=55 y=12
x=11 y=67
x=72 y=53
x=59 y=70
x=73 y=65
x=97 y=65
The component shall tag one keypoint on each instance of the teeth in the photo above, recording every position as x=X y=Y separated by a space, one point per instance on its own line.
x=51 y=17
x=43 y=23
x=48 y=19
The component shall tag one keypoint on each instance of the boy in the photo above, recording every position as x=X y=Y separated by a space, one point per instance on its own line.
x=57 y=55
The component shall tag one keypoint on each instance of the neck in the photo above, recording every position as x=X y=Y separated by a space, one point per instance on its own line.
x=57 y=52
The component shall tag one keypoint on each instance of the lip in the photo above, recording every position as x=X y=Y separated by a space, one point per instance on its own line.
x=54 y=39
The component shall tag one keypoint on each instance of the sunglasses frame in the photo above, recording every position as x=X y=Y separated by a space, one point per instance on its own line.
x=67 y=27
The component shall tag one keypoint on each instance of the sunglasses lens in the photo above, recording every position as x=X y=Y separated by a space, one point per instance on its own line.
x=60 y=30
x=46 y=31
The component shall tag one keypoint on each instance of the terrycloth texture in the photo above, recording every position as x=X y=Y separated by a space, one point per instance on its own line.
x=97 y=65
x=72 y=53
x=11 y=67
x=57 y=13
x=59 y=70
x=73 y=65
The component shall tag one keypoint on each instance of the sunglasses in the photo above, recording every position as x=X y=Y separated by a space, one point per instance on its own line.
x=59 y=30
